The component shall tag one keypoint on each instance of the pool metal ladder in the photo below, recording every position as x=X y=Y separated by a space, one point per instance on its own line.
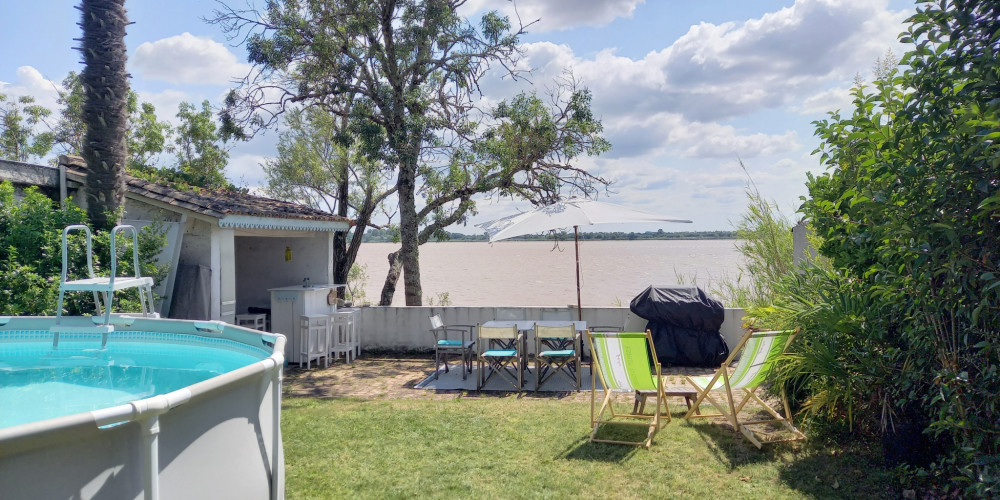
x=103 y=287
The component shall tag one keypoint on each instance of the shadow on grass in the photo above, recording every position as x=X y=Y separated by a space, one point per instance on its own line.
x=816 y=469
x=729 y=446
x=625 y=430
x=583 y=449
x=839 y=473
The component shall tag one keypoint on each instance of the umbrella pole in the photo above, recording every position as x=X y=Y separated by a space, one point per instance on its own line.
x=576 y=246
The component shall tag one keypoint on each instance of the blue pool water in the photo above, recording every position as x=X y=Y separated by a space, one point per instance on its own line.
x=39 y=382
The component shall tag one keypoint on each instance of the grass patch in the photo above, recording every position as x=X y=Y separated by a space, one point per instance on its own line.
x=537 y=448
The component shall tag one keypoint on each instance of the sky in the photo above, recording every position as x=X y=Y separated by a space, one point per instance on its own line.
x=685 y=90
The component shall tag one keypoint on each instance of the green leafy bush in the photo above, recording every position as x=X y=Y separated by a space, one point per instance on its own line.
x=908 y=213
x=31 y=255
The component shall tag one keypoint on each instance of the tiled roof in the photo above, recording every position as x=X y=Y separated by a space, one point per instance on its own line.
x=218 y=204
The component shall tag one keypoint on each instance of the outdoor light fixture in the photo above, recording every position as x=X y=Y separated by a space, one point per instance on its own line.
x=288 y=254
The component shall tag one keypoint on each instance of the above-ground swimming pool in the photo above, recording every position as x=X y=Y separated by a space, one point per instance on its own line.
x=153 y=409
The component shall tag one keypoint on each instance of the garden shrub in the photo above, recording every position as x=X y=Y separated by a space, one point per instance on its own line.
x=903 y=331
x=31 y=255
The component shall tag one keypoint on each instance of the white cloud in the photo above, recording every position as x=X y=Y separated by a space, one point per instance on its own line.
x=659 y=133
x=31 y=82
x=245 y=171
x=186 y=58
x=166 y=103
x=558 y=14
x=796 y=58
x=712 y=140
x=827 y=100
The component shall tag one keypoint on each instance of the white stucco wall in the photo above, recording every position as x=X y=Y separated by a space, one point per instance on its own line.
x=261 y=264
x=139 y=210
x=801 y=249
x=197 y=244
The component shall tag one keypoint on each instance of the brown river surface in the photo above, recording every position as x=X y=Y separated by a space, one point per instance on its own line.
x=536 y=273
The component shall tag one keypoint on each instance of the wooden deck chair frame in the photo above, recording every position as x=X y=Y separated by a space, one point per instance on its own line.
x=621 y=361
x=445 y=346
x=759 y=350
x=552 y=360
x=500 y=359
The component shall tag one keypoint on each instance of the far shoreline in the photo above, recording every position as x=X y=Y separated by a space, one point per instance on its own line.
x=389 y=236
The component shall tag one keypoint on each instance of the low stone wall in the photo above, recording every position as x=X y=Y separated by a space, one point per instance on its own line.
x=408 y=328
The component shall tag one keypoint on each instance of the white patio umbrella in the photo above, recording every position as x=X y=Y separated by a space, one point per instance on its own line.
x=573 y=212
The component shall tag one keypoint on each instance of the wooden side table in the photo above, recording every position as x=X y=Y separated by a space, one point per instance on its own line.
x=689 y=395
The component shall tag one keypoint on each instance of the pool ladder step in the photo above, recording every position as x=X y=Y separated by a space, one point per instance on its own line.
x=103 y=288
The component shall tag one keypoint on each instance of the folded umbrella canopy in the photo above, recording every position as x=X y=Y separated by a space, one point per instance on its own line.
x=568 y=213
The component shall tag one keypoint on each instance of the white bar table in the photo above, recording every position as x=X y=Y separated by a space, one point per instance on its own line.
x=526 y=325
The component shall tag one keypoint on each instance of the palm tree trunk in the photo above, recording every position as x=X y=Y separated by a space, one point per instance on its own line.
x=105 y=113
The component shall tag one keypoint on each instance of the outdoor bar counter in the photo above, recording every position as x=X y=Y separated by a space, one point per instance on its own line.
x=289 y=303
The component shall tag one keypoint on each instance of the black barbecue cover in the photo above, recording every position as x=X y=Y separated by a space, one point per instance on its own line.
x=685 y=324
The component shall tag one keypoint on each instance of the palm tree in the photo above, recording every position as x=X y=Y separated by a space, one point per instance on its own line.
x=105 y=106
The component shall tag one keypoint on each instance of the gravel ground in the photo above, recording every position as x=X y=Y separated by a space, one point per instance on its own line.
x=393 y=376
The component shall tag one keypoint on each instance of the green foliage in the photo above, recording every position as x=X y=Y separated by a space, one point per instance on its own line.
x=201 y=161
x=443 y=299
x=146 y=136
x=403 y=74
x=19 y=139
x=357 y=280
x=315 y=156
x=30 y=250
x=843 y=364
x=764 y=239
x=529 y=151
x=908 y=212
x=70 y=128
x=31 y=255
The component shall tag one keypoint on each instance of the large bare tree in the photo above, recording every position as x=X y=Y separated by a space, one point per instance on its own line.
x=410 y=70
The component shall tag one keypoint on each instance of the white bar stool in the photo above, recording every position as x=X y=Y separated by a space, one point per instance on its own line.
x=344 y=335
x=314 y=339
x=252 y=321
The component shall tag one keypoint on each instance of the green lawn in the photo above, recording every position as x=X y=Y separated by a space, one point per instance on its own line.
x=491 y=447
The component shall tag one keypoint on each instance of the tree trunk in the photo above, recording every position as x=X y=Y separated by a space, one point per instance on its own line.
x=409 y=250
x=105 y=111
x=342 y=262
x=392 y=277
x=389 y=288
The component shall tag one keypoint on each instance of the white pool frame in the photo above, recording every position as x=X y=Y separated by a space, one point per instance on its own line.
x=219 y=438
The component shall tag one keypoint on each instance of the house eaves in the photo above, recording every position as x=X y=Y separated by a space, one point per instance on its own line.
x=232 y=209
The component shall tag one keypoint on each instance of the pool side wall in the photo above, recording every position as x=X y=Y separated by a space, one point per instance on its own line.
x=221 y=439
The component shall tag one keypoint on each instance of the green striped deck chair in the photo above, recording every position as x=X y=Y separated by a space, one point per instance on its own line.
x=621 y=360
x=760 y=351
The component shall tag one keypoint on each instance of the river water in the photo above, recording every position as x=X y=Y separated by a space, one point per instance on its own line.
x=538 y=273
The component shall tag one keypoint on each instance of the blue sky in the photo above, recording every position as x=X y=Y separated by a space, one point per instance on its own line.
x=684 y=89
